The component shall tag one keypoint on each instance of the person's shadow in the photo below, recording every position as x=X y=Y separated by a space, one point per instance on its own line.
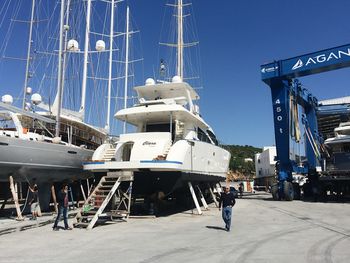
x=216 y=228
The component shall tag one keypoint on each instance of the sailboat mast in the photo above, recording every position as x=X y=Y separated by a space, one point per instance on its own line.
x=86 y=52
x=111 y=35
x=180 y=41
x=28 y=54
x=65 y=46
x=126 y=63
x=59 y=73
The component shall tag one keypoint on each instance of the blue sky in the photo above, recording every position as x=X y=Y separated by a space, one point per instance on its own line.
x=236 y=37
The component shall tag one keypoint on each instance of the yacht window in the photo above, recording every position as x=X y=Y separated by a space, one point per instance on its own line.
x=202 y=136
x=162 y=127
x=212 y=137
x=179 y=130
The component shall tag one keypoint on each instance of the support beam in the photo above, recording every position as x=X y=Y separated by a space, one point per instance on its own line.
x=213 y=195
x=82 y=191
x=194 y=197
x=129 y=199
x=15 y=199
x=53 y=193
x=204 y=203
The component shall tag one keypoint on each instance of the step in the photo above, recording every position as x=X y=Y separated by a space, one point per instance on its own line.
x=107 y=184
x=105 y=187
x=102 y=191
x=108 y=154
x=89 y=213
x=100 y=196
x=81 y=224
x=110 y=150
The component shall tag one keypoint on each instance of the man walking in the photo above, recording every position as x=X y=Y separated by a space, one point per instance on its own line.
x=62 y=208
x=227 y=200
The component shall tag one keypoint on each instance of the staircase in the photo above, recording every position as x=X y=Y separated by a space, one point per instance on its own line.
x=100 y=197
x=108 y=154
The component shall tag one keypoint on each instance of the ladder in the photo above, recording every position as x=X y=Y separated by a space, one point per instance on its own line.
x=96 y=203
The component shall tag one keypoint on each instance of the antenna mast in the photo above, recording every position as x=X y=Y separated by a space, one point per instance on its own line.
x=28 y=54
x=126 y=64
x=111 y=34
x=86 y=50
x=59 y=74
x=180 y=42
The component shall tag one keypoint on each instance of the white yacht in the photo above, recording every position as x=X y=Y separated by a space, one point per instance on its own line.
x=339 y=146
x=172 y=143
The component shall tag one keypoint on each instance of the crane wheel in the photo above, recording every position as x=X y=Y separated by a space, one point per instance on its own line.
x=274 y=191
x=288 y=191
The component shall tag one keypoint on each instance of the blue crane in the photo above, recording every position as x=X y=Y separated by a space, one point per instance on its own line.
x=287 y=94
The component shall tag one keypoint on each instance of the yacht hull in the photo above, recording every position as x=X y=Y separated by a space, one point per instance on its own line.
x=195 y=162
x=41 y=161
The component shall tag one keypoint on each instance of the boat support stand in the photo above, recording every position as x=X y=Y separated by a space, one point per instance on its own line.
x=15 y=199
x=194 y=197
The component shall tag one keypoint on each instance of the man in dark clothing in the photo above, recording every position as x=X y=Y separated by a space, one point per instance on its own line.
x=34 y=202
x=62 y=199
x=227 y=200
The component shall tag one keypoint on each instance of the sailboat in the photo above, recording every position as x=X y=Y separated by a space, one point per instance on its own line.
x=50 y=145
x=172 y=145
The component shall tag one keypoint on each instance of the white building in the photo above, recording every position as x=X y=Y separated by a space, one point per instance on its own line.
x=265 y=165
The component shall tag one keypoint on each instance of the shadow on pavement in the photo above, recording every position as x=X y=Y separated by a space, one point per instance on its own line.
x=216 y=228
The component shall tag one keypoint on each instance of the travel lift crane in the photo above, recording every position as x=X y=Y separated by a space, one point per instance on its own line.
x=287 y=93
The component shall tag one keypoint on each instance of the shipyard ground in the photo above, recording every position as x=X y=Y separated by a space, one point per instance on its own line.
x=262 y=231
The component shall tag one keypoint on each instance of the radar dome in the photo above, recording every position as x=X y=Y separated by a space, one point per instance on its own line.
x=150 y=81
x=7 y=99
x=28 y=90
x=100 y=45
x=73 y=45
x=176 y=79
x=36 y=99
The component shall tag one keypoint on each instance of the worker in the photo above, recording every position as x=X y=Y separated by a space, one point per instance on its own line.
x=34 y=202
x=240 y=189
x=62 y=208
x=227 y=201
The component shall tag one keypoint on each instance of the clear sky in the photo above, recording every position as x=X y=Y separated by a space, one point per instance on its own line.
x=236 y=37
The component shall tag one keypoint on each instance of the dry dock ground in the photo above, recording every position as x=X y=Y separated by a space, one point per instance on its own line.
x=263 y=231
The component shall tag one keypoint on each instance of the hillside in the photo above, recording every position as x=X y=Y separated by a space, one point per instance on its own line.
x=238 y=154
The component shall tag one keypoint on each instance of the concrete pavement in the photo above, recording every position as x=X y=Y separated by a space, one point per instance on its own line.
x=263 y=231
